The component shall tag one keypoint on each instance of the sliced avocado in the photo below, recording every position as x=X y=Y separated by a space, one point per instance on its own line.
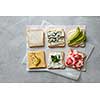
x=79 y=36
x=73 y=35
x=79 y=40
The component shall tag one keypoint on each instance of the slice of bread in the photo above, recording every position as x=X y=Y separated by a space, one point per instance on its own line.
x=57 y=65
x=74 y=59
x=35 y=38
x=57 y=46
x=36 y=59
x=56 y=37
x=82 y=44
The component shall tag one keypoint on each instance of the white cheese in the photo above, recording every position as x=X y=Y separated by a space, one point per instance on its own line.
x=58 y=37
x=55 y=65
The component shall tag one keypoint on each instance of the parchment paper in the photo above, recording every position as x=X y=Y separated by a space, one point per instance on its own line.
x=67 y=72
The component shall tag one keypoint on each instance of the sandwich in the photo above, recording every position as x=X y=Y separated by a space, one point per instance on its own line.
x=76 y=37
x=56 y=37
x=36 y=59
x=56 y=60
x=75 y=59
x=35 y=38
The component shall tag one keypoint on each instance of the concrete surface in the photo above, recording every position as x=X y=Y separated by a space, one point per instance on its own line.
x=12 y=49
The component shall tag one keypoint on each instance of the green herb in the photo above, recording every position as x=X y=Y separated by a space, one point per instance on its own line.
x=55 y=58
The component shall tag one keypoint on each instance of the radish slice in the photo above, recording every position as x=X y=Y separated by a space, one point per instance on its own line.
x=75 y=59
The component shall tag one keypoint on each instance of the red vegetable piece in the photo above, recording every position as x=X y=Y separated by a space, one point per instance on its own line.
x=69 y=61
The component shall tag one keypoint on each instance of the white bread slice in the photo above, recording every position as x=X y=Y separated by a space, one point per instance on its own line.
x=60 y=65
x=35 y=38
x=82 y=44
x=56 y=44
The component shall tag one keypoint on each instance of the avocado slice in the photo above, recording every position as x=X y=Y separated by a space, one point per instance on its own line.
x=74 y=35
x=79 y=36
x=79 y=40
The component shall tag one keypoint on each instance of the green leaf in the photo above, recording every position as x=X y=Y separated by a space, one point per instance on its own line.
x=55 y=59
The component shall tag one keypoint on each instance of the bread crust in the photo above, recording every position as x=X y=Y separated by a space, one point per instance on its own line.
x=56 y=46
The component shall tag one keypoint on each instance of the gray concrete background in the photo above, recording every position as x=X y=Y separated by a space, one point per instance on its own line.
x=12 y=49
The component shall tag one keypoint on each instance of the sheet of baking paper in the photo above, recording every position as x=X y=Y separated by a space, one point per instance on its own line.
x=68 y=72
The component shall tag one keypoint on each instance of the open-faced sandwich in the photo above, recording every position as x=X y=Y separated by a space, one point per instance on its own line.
x=56 y=37
x=56 y=60
x=76 y=37
x=36 y=59
x=75 y=59
x=35 y=37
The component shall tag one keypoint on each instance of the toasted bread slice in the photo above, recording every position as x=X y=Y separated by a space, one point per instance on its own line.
x=80 y=44
x=36 y=59
x=56 y=65
x=74 y=58
x=56 y=37
x=35 y=38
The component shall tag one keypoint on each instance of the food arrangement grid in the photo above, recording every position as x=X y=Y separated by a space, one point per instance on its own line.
x=67 y=72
